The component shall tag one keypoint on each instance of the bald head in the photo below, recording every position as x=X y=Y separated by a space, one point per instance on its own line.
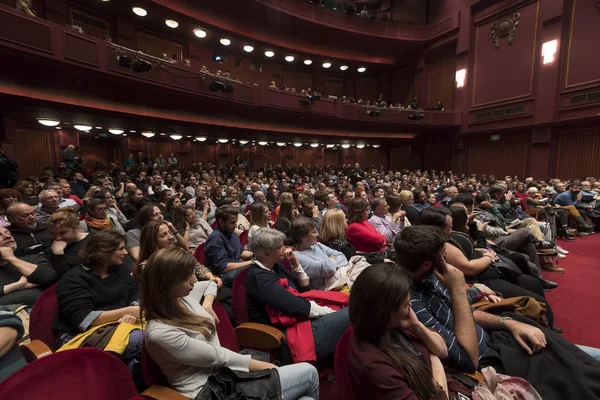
x=259 y=196
x=22 y=216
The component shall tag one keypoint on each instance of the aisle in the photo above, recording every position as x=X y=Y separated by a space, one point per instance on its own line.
x=575 y=302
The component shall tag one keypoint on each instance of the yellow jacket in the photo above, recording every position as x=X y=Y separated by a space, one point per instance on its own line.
x=118 y=342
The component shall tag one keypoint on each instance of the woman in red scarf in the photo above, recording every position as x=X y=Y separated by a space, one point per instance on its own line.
x=97 y=218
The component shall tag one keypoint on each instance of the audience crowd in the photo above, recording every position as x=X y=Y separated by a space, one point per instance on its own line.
x=434 y=275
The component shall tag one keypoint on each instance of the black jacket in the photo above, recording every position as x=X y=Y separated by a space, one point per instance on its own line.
x=560 y=371
x=31 y=242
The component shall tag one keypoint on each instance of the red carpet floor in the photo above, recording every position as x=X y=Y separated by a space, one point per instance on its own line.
x=574 y=302
x=576 y=299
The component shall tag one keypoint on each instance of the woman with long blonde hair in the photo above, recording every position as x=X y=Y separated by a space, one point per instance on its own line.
x=333 y=233
x=181 y=336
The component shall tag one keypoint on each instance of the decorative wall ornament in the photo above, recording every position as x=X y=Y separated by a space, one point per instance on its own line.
x=508 y=27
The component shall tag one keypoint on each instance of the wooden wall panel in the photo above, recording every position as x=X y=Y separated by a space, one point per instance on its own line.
x=400 y=157
x=437 y=156
x=331 y=157
x=578 y=153
x=33 y=151
x=507 y=156
x=203 y=153
x=442 y=71
x=368 y=89
x=95 y=150
x=157 y=46
x=273 y=156
x=156 y=148
x=304 y=156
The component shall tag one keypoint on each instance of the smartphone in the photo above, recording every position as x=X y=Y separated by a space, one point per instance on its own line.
x=440 y=260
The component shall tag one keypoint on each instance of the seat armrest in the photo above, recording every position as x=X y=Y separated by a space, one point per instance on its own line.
x=35 y=350
x=260 y=336
x=158 y=392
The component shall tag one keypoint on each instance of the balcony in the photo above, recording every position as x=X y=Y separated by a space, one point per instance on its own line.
x=79 y=53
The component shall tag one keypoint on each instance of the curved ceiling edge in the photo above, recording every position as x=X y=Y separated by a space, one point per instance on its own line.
x=365 y=50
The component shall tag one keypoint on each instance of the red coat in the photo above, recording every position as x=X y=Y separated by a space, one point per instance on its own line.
x=364 y=237
x=299 y=330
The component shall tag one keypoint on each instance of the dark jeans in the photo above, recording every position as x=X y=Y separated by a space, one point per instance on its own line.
x=327 y=330
x=524 y=286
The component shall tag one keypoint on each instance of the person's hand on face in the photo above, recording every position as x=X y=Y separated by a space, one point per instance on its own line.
x=450 y=276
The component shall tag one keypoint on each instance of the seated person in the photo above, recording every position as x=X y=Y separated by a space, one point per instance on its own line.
x=477 y=264
x=392 y=354
x=388 y=226
x=264 y=291
x=440 y=302
x=572 y=197
x=333 y=233
x=285 y=218
x=504 y=210
x=360 y=233
x=242 y=223
x=205 y=208
x=97 y=218
x=311 y=211
x=99 y=291
x=68 y=241
x=260 y=216
x=49 y=204
x=223 y=250
x=535 y=200
x=199 y=230
x=31 y=237
x=22 y=279
x=132 y=237
x=128 y=205
x=181 y=336
x=112 y=209
x=158 y=235
x=321 y=263
x=11 y=331
x=7 y=197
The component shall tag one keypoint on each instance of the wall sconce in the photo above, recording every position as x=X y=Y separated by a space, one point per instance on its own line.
x=549 y=51
x=461 y=76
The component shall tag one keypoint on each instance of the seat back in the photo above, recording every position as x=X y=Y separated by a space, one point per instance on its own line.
x=214 y=225
x=152 y=372
x=42 y=317
x=199 y=254
x=89 y=374
x=244 y=238
x=225 y=330
x=340 y=366
x=238 y=297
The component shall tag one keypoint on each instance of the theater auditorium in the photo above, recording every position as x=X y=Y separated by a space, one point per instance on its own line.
x=299 y=199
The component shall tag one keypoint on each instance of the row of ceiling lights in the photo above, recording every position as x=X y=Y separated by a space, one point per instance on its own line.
x=247 y=48
x=53 y=123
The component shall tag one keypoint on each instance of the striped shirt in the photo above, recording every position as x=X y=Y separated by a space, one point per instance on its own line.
x=432 y=304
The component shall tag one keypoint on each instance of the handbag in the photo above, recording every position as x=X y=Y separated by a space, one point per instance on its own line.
x=521 y=305
x=227 y=384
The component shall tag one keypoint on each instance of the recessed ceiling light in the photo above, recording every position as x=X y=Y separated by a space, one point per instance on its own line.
x=201 y=139
x=343 y=67
x=326 y=65
x=225 y=41
x=171 y=23
x=223 y=140
x=48 y=121
x=188 y=136
x=329 y=146
x=83 y=128
x=345 y=146
x=98 y=127
x=131 y=131
x=243 y=141
x=163 y=134
x=280 y=144
x=139 y=11
x=314 y=145
x=360 y=146
x=248 y=48
x=289 y=58
x=57 y=127
x=269 y=53
x=176 y=137
x=116 y=131
x=361 y=69
x=263 y=143
x=376 y=146
x=307 y=61
x=148 y=134
x=297 y=144
x=200 y=33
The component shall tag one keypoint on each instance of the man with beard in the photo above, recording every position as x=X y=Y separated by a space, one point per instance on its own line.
x=31 y=237
x=512 y=344
x=22 y=279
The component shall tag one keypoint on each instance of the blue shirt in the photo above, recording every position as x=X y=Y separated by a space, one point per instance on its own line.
x=432 y=304
x=566 y=198
x=221 y=250
x=318 y=266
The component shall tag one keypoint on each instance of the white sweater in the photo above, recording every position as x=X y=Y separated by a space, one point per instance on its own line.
x=185 y=356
